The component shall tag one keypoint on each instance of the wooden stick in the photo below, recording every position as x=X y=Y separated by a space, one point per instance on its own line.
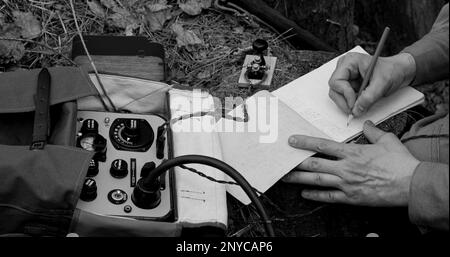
x=277 y=20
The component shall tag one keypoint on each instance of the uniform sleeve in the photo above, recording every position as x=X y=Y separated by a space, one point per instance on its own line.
x=431 y=52
x=428 y=205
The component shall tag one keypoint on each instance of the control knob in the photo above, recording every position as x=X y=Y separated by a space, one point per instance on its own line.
x=92 y=169
x=89 y=191
x=131 y=130
x=119 y=168
x=89 y=126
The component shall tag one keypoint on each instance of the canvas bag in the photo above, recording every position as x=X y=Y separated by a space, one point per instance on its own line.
x=39 y=187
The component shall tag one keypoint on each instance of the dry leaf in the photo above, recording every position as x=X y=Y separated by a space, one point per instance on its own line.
x=156 y=20
x=204 y=74
x=31 y=27
x=10 y=51
x=194 y=7
x=157 y=5
x=120 y=17
x=129 y=30
x=185 y=37
x=96 y=8
x=110 y=4
x=158 y=13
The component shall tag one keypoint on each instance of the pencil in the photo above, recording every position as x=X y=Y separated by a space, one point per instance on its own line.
x=372 y=64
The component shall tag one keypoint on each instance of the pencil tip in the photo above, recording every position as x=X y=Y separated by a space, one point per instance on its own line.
x=350 y=117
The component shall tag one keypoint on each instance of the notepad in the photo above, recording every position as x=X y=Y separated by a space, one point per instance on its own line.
x=305 y=108
x=308 y=96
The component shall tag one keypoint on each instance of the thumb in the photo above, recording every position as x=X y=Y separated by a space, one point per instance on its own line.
x=378 y=136
x=373 y=133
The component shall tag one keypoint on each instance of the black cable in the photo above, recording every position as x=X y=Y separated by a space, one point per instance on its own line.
x=215 y=163
x=203 y=175
x=269 y=201
x=211 y=113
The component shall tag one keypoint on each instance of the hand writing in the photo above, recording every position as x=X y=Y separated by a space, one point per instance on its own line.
x=390 y=74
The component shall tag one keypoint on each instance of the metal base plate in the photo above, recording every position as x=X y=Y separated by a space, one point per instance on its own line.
x=270 y=62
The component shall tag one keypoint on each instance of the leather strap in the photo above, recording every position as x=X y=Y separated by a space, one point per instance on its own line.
x=41 y=126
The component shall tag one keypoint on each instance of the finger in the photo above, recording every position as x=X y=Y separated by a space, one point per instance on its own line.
x=340 y=101
x=348 y=67
x=333 y=196
x=313 y=179
x=344 y=80
x=320 y=145
x=318 y=165
x=355 y=84
x=376 y=135
x=373 y=92
x=345 y=91
x=372 y=133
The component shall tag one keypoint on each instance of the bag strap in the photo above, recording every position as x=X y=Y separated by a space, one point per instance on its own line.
x=41 y=125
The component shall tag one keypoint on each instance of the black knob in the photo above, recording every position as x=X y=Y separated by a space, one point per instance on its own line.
x=148 y=166
x=146 y=197
x=89 y=126
x=100 y=144
x=260 y=45
x=119 y=168
x=89 y=191
x=92 y=169
x=131 y=130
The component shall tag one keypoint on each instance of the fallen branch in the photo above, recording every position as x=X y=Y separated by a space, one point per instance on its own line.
x=277 y=20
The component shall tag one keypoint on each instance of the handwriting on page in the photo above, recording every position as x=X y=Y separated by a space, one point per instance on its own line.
x=319 y=121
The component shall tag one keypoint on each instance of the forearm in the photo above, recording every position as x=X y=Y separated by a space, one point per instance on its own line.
x=431 y=53
x=428 y=204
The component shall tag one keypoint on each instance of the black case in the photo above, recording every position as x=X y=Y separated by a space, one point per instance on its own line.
x=138 y=57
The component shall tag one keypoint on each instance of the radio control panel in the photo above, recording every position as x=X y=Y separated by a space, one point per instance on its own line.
x=127 y=147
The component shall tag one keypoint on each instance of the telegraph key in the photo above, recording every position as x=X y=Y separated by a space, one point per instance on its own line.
x=258 y=69
x=126 y=148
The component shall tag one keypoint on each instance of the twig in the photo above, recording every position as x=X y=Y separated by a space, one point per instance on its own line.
x=242 y=231
x=302 y=215
x=282 y=34
x=91 y=61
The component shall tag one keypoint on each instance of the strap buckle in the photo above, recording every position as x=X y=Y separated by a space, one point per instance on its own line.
x=42 y=111
x=37 y=145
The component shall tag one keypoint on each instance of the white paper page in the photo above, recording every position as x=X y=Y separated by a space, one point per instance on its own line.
x=199 y=201
x=308 y=96
x=263 y=164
